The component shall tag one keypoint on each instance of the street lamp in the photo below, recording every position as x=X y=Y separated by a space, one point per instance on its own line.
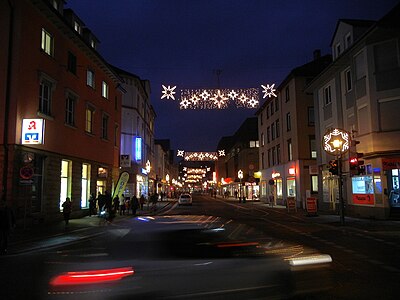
x=337 y=142
x=240 y=176
x=148 y=168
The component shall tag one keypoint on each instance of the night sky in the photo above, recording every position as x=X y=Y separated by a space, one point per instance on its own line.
x=184 y=43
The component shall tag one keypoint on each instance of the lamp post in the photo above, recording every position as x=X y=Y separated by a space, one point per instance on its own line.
x=148 y=169
x=337 y=142
x=240 y=176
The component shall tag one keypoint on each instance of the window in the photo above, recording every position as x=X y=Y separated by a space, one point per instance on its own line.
x=338 y=49
x=104 y=90
x=273 y=156
x=90 y=78
x=289 y=148
x=276 y=104
x=70 y=105
x=65 y=181
x=311 y=117
x=327 y=95
x=348 y=40
x=262 y=139
x=269 y=158
x=253 y=144
x=277 y=128
x=291 y=187
x=89 y=118
x=71 y=65
x=288 y=122
x=116 y=127
x=268 y=134
x=313 y=147
x=348 y=80
x=77 y=27
x=104 y=127
x=262 y=161
x=47 y=43
x=287 y=94
x=360 y=66
x=278 y=154
x=272 y=107
x=85 y=185
x=273 y=131
x=314 y=183
x=386 y=56
x=45 y=97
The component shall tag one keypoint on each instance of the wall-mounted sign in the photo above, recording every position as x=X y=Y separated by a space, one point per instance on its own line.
x=32 y=131
x=125 y=161
x=138 y=148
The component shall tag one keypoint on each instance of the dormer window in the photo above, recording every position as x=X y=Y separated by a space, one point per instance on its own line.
x=348 y=40
x=93 y=44
x=338 y=49
x=77 y=27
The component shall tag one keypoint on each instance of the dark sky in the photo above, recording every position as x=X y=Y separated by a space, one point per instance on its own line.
x=183 y=43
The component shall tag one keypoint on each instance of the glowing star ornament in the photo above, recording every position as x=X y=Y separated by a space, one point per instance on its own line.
x=253 y=102
x=168 y=92
x=184 y=104
x=219 y=99
x=269 y=91
x=180 y=153
x=221 y=152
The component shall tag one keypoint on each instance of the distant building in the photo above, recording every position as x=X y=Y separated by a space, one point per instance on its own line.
x=360 y=93
x=288 y=148
x=166 y=167
x=59 y=111
x=137 y=135
x=241 y=154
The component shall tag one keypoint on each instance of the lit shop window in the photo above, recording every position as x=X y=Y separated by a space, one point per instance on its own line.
x=66 y=178
x=291 y=187
x=85 y=185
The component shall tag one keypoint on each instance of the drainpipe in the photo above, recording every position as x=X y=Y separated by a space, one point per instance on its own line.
x=7 y=102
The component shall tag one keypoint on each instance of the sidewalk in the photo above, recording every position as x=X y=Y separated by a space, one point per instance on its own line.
x=47 y=235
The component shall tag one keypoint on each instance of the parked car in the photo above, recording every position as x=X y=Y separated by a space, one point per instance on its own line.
x=185 y=199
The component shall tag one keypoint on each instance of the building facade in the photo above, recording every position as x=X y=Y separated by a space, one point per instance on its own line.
x=59 y=111
x=360 y=93
x=287 y=150
x=137 y=135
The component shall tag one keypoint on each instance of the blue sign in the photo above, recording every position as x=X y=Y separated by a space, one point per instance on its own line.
x=138 y=148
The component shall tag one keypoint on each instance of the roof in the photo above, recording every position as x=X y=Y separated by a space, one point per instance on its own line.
x=353 y=22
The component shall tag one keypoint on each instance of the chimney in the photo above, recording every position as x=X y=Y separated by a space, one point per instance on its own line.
x=317 y=54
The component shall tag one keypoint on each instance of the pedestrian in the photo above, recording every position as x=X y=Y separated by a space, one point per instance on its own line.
x=101 y=202
x=134 y=204
x=7 y=223
x=67 y=208
x=115 y=204
x=142 y=200
x=92 y=205
x=121 y=205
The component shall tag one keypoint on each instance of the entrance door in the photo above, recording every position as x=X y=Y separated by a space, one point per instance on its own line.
x=394 y=195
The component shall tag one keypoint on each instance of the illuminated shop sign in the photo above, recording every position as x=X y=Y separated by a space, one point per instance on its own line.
x=32 y=131
x=138 y=148
x=363 y=190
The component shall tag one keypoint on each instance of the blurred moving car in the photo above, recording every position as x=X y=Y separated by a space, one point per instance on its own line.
x=185 y=199
x=186 y=257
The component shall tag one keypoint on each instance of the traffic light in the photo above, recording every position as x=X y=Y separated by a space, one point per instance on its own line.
x=356 y=165
x=333 y=167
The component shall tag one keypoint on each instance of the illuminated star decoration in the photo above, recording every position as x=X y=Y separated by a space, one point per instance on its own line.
x=180 y=153
x=341 y=137
x=168 y=92
x=269 y=91
x=218 y=98
x=200 y=156
x=221 y=152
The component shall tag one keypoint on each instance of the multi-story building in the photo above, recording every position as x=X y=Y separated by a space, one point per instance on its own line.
x=288 y=147
x=241 y=155
x=59 y=111
x=360 y=93
x=137 y=135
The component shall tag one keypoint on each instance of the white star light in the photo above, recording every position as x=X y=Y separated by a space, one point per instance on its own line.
x=221 y=152
x=269 y=91
x=180 y=153
x=204 y=95
x=219 y=99
x=168 y=92
x=184 y=103
x=253 y=102
x=243 y=98
x=232 y=94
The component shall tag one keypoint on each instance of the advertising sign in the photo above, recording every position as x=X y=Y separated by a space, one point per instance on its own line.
x=138 y=148
x=32 y=131
x=121 y=184
x=311 y=205
x=364 y=199
x=291 y=203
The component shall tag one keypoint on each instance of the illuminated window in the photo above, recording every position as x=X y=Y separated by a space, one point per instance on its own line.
x=47 y=43
x=104 y=89
x=90 y=78
x=85 y=185
x=314 y=183
x=313 y=147
x=291 y=187
x=279 y=189
x=66 y=178
x=289 y=148
x=89 y=119
x=288 y=122
x=77 y=27
x=348 y=80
